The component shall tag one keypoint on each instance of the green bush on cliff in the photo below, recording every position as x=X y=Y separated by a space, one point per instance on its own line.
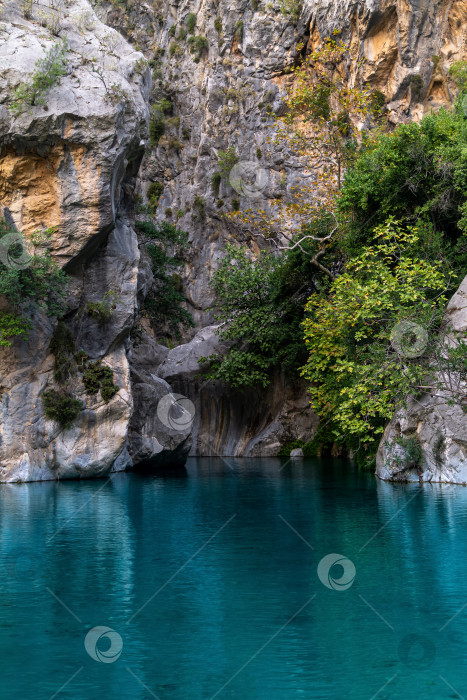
x=416 y=173
x=48 y=72
x=60 y=406
x=261 y=307
x=191 y=22
x=62 y=346
x=99 y=377
x=30 y=281
x=103 y=310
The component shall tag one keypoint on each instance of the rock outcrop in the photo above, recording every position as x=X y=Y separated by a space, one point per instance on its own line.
x=435 y=425
x=71 y=165
x=249 y=423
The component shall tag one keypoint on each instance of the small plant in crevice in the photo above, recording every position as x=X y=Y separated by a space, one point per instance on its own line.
x=198 y=44
x=238 y=31
x=216 y=183
x=191 y=22
x=291 y=9
x=154 y=193
x=157 y=120
x=61 y=407
x=103 y=310
x=199 y=205
x=48 y=72
x=227 y=159
x=406 y=452
x=438 y=449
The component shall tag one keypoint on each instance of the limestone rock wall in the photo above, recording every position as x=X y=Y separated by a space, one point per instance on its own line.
x=226 y=95
x=75 y=165
x=72 y=165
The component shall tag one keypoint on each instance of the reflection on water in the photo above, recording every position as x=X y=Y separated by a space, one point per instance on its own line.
x=209 y=578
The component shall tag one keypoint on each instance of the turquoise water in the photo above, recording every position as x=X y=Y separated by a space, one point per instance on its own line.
x=209 y=580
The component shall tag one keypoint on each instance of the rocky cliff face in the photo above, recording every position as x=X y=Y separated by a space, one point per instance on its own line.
x=225 y=95
x=72 y=165
x=76 y=166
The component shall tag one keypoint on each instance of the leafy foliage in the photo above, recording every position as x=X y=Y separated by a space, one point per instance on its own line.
x=163 y=304
x=261 y=307
x=418 y=171
x=42 y=285
x=357 y=377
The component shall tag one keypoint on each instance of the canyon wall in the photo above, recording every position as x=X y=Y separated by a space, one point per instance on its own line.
x=82 y=163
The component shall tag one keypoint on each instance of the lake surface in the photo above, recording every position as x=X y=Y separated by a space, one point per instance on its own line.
x=216 y=583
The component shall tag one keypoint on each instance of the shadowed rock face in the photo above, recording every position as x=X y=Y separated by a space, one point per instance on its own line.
x=72 y=164
x=439 y=428
x=250 y=423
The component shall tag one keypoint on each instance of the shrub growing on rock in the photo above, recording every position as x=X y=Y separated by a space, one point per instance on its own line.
x=49 y=71
x=61 y=406
x=99 y=377
x=191 y=22
x=29 y=281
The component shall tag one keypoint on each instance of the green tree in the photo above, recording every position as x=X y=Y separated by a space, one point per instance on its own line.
x=418 y=171
x=41 y=285
x=261 y=301
x=359 y=336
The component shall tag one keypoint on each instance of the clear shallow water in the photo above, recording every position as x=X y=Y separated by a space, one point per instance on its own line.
x=214 y=594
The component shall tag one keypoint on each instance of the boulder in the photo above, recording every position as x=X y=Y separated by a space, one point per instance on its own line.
x=427 y=441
